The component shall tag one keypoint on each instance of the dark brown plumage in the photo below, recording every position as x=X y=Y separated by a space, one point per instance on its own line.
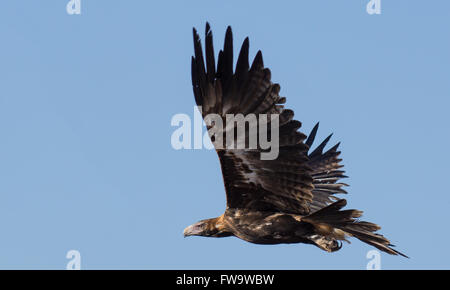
x=290 y=199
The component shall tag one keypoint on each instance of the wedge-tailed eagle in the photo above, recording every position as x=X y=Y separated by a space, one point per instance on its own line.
x=290 y=199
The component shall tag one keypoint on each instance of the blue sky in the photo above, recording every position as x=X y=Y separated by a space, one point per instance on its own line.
x=86 y=102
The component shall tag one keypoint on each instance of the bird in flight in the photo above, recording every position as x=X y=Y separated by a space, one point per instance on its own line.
x=289 y=199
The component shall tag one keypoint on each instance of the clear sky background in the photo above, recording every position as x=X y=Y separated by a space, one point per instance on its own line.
x=86 y=101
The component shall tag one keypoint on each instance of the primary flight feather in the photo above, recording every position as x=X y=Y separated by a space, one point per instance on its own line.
x=290 y=199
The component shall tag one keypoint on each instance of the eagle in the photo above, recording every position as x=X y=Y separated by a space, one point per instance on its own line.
x=288 y=199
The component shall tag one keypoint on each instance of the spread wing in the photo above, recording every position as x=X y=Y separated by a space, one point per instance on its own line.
x=326 y=172
x=283 y=184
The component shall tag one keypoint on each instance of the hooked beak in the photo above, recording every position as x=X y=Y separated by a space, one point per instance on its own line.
x=192 y=230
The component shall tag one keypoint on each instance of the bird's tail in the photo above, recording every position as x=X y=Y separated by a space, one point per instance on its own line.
x=332 y=224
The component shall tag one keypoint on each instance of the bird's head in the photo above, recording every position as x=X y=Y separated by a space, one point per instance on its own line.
x=207 y=228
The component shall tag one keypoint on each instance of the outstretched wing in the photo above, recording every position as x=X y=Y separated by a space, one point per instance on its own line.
x=326 y=172
x=283 y=184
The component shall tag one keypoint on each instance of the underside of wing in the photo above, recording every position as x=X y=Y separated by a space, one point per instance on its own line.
x=282 y=184
x=326 y=172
